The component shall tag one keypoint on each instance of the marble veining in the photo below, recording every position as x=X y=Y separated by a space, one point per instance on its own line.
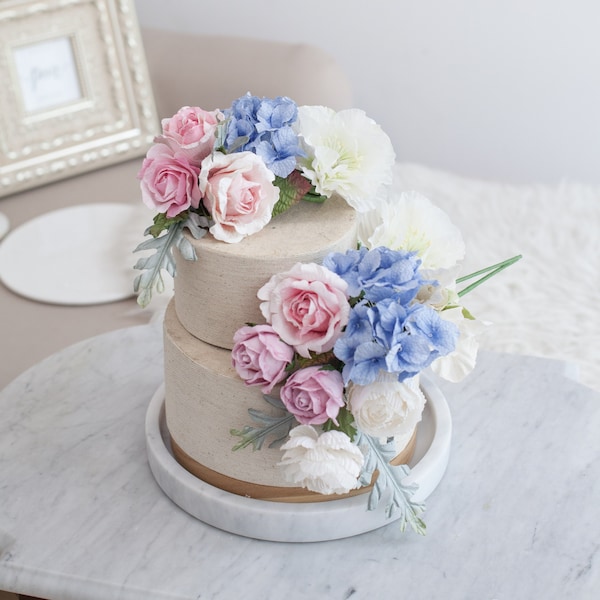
x=82 y=518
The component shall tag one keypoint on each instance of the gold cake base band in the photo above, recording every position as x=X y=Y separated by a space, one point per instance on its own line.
x=274 y=493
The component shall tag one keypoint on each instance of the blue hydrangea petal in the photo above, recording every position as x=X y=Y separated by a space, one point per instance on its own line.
x=441 y=334
x=369 y=359
x=411 y=355
x=273 y=114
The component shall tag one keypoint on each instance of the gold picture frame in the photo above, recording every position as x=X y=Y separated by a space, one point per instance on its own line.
x=75 y=93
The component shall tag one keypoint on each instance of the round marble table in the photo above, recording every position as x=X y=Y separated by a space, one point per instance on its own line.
x=81 y=516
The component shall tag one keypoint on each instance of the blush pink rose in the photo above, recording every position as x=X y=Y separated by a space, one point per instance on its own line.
x=307 y=307
x=169 y=182
x=313 y=395
x=238 y=192
x=192 y=131
x=260 y=357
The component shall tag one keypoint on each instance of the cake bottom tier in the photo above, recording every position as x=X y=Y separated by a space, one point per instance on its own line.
x=204 y=400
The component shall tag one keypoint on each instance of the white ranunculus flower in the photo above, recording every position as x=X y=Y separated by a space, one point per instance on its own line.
x=347 y=152
x=387 y=408
x=458 y=364
x=409 y=221
x=328 y=463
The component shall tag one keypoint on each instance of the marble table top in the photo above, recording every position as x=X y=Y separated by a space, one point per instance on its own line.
x=82 y=518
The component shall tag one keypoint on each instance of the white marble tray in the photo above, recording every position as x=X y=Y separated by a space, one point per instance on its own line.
x=303 y=522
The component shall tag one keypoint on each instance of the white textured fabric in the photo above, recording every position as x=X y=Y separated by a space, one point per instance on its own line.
x=548 y=304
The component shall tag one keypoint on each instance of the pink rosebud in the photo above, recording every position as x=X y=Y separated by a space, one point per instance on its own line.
x=191 y=130
x=313 y=395
x=238 y=192
x=260 y=357
x=169 y=182
x=307 y=306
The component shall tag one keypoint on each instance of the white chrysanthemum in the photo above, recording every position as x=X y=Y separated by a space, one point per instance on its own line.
x=458 y=364
x=410 y=221
x=387 y=408
x=328 y=463
x=347 y=152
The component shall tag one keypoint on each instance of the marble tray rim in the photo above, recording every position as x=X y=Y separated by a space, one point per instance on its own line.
x=291 y=522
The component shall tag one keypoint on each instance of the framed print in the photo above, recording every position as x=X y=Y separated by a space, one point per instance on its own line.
x=75 y=93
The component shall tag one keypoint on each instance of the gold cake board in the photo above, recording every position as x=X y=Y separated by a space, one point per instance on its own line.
x=274 y=493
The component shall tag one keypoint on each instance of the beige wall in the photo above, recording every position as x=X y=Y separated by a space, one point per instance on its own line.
x=502 y=89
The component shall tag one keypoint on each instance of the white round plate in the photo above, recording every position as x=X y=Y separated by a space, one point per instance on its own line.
x=4 y=225
x=301 y=522
x=77 y=255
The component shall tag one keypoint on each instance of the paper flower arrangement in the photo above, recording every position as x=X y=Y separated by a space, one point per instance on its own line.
x=343 y=343
x=229 y=172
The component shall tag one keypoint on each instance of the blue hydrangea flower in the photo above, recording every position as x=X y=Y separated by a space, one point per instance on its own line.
x=279 y=152
x=241 y=119
x=394 y=338
x=380 y=273
x=264 y=126
x=275 y=114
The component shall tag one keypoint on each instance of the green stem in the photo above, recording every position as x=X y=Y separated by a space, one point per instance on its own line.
x=491 y=271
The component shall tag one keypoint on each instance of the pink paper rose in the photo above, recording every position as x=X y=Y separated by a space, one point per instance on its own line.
x=192 y=131
x=238 y=192
x=169 y=182
x=313 y=395
x=307 y=307
x=260 y=357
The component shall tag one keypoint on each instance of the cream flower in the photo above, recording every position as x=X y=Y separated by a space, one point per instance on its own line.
x=347 y=152
x=458 y=364
x=409 y=221
x=387 y=408
x=328 y=463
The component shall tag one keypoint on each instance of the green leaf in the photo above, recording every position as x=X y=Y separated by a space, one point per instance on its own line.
x=327 y=360
x=467 y=314
x=312 y=196
x=390 y=479
x=162 y=222
x=345 y=424
x=292 y=189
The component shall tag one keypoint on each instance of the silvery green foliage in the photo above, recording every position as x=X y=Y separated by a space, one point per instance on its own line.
x=151 y=278
x=389 y=480
x=279 y=427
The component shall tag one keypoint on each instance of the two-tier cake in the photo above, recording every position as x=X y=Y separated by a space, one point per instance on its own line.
x=308 y=301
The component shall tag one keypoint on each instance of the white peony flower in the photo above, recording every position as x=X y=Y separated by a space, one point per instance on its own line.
x=328 y=463
x=387 y=408
x=411 y=222
x=458 y=364
x=347 y=152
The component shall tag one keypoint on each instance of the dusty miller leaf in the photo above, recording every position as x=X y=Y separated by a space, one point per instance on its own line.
x=151 y=266
x=390 y=480
x=278 y=427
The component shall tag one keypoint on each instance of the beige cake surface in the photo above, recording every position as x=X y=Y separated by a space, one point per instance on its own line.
x=216 y=294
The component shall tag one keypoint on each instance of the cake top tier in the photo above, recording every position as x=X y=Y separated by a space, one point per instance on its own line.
x=216 y=294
